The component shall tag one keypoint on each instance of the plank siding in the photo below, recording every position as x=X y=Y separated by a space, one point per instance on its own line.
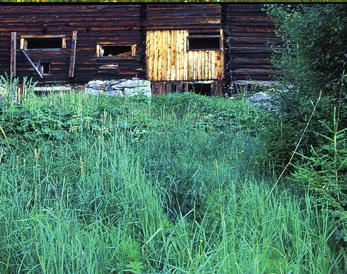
x=159 y=32
x=183 y=16
x=168 y=58
x=118 y=24
x=248 y=32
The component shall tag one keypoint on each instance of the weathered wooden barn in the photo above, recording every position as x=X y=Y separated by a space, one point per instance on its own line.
x=208 y=48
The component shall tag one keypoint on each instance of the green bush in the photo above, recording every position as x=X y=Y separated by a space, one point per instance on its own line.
x=312 y=88
x=313 y=56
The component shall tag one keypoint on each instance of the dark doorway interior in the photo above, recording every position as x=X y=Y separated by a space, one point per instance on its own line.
x=203 y=89
x=116 y=51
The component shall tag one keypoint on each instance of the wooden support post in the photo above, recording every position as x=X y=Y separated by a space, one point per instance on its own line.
x=13 y=55
x=31 y=63
x=73 y=55
x=179 y=87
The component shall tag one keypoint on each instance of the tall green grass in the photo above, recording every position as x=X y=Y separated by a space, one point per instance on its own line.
x=172 y=184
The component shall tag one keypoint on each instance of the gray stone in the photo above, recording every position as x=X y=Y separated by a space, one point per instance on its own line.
x=114 y=92
x=134 y=83
x=96 y=84
x=261 y=99
x=259 y=96
x=121 y=87
x=92 y=91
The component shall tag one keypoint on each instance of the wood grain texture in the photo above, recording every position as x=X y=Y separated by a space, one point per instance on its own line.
x=168 y=58
x=13 y=54
x=117 y=24
x=248 y=31
x=73 y=54
x=157 y=33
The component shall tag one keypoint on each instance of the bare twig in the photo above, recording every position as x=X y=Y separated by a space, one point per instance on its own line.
x=296 y=147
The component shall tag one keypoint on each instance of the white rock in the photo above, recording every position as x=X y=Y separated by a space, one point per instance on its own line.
x=119 y=87
x=259 y=96
x=134 y=84
x=114 y=92
x=88 y=90
x=261 y=99
x=96 y=84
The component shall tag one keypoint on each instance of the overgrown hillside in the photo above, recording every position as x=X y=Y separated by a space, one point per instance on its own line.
x=171 y=184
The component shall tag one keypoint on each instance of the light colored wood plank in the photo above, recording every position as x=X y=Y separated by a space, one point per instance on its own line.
x=173 y=55
x=148 y=52
x=73 y=54
x=164 y=55
x=185 y=75
x=13 y=54
x=168 y=56
x=155 y=60
x=213 y=65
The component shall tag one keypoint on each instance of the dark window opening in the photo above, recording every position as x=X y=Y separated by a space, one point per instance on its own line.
x=45 y=68
x=115 y=51
x=198 y=33
x=43 y=43
x=204 y=41
x=202 y=89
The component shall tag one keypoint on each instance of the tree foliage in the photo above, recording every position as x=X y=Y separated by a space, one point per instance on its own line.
x=314 y=54
x=313 y=61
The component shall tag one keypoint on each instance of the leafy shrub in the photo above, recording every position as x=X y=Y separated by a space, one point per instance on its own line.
x=313 y=61
x=313 y=55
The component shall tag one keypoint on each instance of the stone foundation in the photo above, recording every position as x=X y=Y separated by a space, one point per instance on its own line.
x=122 y=87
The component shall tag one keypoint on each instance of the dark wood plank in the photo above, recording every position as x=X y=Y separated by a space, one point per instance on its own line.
x=31 y=62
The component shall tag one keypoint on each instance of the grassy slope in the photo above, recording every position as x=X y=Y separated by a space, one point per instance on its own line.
x=175 y=184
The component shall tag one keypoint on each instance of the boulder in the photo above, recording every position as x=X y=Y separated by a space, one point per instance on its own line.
x=114 y=92
x=92 y=91
x=96 y=84
x=261 y=99
x=134 y=83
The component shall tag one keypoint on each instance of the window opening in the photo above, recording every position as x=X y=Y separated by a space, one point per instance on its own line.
x=115 y=51
x=204 y=41
x=45 y=68
x=43 y=43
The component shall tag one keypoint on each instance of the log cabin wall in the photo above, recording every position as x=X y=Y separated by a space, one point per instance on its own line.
x=199 y=17
x=243 y=55
x=169 y=57
x=248 y=31
x=95 y=24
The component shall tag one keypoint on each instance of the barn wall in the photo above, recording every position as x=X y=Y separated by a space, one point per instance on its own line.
x=191 y=66
x=183 y=17
x=120 y=24
x=169 y=59
x=248 y=30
